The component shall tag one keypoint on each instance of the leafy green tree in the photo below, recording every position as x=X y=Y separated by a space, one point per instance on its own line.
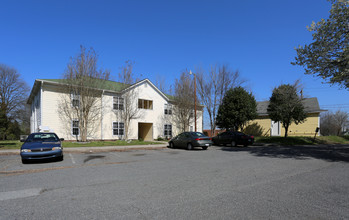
x=237 y=108
x=286 y=106
x=328 y=56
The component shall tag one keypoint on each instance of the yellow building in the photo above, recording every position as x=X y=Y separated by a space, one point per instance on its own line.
x=307 y=128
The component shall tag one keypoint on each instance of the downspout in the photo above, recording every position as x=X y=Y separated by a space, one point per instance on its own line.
x=40 y=103
x=102 y=115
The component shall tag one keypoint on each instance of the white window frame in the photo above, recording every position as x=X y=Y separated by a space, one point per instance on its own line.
x=118 y=128
x=191 y=115
x=75 y=97
x=74 y=127
x=118 y=102
x=168 y=109
x=168 y=130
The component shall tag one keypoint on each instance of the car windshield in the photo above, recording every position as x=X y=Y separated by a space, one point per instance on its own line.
x=198 y=134
x=42 y=138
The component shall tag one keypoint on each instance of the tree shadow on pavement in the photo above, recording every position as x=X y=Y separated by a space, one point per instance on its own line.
x=331 y=153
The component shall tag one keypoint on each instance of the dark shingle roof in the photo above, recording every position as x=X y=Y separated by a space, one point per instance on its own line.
x=311 y=105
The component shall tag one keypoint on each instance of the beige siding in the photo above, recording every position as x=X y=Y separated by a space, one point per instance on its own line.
x=52 y=117
x=50 y=114
x=103 y=129
x=265 y=123
x=305 y=129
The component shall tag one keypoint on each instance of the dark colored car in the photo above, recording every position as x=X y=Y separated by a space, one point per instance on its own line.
x=42 y=146
x=233 y=138
x=189 y=140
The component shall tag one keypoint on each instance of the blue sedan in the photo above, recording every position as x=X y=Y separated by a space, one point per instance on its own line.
x=42 y=146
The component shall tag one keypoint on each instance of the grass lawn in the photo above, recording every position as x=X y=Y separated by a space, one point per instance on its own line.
x=10 y=144
x=303 y=140
x=107 y=143
x=18 y=144
x=265 y=140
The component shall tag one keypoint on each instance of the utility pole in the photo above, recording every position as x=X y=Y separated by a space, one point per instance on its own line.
x=194 y=97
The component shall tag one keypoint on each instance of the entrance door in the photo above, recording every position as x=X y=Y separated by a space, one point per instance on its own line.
x=145 y=131
x=275 y=128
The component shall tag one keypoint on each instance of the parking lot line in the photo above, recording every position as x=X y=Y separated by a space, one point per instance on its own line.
x=19 y=194
x=116 y=154
x=72 y=158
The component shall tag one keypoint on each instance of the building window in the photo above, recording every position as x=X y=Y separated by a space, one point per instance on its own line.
x=191 y=114
x=168 y=109
x=145 y=104
x=75 y=99
x=75 y=127
x=191 y=128
x=118 y=103
x=118 y=128
x=168 y=130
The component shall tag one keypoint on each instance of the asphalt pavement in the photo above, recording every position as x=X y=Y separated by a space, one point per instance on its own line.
x=258 y=182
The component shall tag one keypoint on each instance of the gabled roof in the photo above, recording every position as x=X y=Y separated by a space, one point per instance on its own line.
x=108 y=85
x=311 y=105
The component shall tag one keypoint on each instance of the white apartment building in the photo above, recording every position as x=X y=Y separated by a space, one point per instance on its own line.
x=156 y=115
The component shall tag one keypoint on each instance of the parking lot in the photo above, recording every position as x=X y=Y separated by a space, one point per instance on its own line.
x=219 y=183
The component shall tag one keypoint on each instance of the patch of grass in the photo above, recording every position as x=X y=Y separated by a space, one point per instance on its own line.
x=334 y=139
x=10 y=144
x=302 y=140
x=107 y=143
x=17 y=144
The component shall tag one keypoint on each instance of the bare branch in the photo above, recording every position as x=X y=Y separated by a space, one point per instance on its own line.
x=82 y=93
x=212 y=87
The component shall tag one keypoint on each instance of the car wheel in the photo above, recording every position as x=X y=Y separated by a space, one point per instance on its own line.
x=233 y=143
x=204 y=148
x=172 y=145
x=189 y=146
x=60 y=158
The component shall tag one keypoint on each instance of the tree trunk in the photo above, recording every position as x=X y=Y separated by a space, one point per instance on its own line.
x=286 y=130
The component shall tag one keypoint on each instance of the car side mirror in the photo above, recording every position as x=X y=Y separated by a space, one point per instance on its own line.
x=61 y=139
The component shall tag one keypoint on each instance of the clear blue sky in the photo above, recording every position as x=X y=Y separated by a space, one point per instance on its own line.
x=165 y=37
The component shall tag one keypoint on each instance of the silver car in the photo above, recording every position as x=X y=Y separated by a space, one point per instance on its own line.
x=189 y=140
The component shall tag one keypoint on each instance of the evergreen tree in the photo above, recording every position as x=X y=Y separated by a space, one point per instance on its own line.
x=237 y=108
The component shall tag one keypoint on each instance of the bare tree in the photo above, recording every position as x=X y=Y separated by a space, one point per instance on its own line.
x=183 y=99
x=13 y=90
x=80 y=105
x=130 y=97
x=160 y=83
x=212 y=87
x=13 y=94
x=333 y=123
